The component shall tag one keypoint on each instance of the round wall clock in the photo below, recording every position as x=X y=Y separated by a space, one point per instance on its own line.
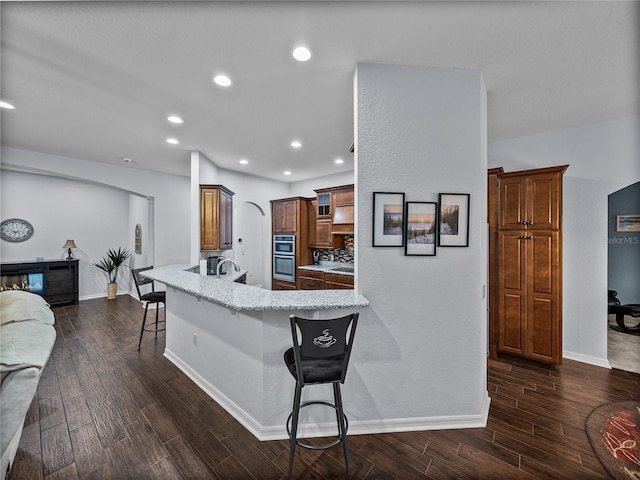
x=15 y=230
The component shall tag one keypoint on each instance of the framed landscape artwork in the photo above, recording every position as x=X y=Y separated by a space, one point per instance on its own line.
x=628 y=223
x=420 y=228
x=453 y=228
x=388 y=219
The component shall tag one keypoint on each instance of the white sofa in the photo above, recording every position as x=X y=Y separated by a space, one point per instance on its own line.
x=27 y=337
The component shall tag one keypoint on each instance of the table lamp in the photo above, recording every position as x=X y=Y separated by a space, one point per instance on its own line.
x=70 y=244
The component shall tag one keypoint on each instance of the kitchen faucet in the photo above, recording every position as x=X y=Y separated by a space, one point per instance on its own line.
x=236 y=266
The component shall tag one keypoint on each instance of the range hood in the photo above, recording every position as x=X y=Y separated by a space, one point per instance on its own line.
x=343 y=220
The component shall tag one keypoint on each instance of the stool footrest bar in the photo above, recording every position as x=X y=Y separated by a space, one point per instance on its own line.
x=310 y=446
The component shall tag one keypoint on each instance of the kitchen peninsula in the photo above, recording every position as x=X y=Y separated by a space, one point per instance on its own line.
x=229 y=338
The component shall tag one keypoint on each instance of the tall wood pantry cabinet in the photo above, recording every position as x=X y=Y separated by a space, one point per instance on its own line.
x=216 y=218
x=289 y=216
x=525 y=227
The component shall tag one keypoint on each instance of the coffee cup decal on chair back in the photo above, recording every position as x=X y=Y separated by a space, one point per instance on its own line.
x=326 y=339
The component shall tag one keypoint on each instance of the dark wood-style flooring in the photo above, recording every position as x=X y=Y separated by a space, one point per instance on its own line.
x=105 y=411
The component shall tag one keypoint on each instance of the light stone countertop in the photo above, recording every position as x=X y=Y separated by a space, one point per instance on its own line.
x=329 y=267
x=237 y=296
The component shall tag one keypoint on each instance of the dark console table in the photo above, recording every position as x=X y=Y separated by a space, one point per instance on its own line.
x=55 y=280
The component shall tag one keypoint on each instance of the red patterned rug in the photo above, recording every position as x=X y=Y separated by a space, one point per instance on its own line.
x=614 y=432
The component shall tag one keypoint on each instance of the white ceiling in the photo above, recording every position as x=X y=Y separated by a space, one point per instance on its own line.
x=97 y=80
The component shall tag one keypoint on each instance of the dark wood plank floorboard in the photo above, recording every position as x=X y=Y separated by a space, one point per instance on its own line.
x=103 y=410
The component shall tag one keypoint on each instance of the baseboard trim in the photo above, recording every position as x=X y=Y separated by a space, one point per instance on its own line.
x=329 y=429
x=579 y=357
x=225 y=402
x=104 y=295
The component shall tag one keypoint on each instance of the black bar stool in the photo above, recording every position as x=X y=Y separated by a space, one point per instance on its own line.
x=151 y=297
x=322 y=356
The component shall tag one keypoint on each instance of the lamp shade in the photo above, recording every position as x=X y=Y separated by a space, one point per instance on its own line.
x=70 y=244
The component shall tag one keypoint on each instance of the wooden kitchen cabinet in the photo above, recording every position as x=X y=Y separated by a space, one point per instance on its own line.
x=334 y=281
x=323 y=237
x=343 y=195
x=333 y=214
x=532 y=201
x=492 y=221
x=318 y=280
x=530 y=304
x=282 y=285
x=289 y=216
x=320 y=230
x=216 y=218
x=285 y=216
x=311 y=280
x=526 y=257
x=343 y=210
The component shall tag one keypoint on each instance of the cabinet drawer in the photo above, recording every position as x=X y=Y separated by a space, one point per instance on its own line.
x=332 y=278
x=338 y=286
x=280 y=285
x=311 y=284
x=311 y=274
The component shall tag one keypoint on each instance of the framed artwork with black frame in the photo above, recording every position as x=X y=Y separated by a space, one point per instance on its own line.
x=629 y=222
x=453 y=220
x=388 y=219
x=421 y=222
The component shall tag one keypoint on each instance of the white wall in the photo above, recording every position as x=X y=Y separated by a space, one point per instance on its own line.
x=95 y=217
x=170 y=194
x=246 y=188
x=306 y=188
x=422 y=131
x=603 y=158
x=258 y=191
x=140 y=210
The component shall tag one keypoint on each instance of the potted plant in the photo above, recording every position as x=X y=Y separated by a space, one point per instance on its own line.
x=110 y=264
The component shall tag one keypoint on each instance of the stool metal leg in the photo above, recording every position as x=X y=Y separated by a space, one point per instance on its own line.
x=341 y=425
x=144 y=320
x=294 y=427
x=157 y=309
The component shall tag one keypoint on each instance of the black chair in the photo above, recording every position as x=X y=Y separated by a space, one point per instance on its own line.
x=613 y=300
x=151 y=297
x=322 y=356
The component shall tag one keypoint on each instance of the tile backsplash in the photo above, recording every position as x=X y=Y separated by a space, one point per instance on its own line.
x=344 y=255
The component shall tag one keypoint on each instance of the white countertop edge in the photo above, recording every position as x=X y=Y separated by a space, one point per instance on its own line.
x=236 y=296
x=328 y=268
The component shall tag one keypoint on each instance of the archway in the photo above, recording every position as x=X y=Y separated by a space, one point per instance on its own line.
x=249 y=248
x=623 y=273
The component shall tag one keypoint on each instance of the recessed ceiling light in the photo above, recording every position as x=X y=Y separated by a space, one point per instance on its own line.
x=244 y=161
x=172 y=141
x=338 y=161
x=6 y=105
x=175 y=119
x=287 y=172
x=296 y=144
x=302 y=54
x=222 y=80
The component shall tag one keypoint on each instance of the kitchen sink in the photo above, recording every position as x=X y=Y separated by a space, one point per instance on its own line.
x=343 y=269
